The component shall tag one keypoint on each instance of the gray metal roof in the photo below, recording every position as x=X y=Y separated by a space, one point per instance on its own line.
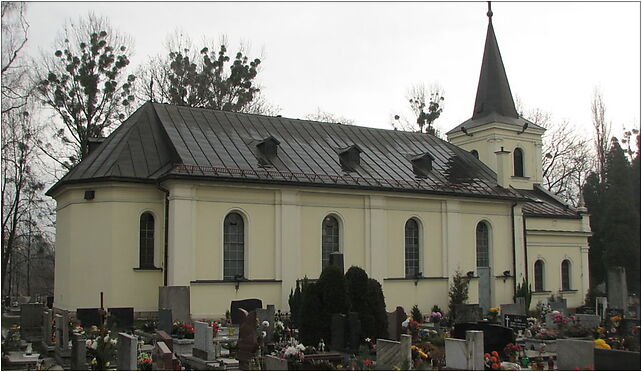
x=544 y=204
x=494 y=100
x=161 y=141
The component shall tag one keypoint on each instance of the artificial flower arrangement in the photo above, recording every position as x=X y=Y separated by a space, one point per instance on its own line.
x=182 y=330
x=216 y=326
x=435 y=317
x=493 y=312
x=144 y=362
x=492 y=361
x=511 y=351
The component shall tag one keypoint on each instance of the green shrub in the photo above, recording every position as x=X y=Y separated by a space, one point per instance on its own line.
x=524 y=290
x=357 y=286
x=311 y=327
x=296 y=301
x=416 y=314
x=458 y=293
x=377 y=304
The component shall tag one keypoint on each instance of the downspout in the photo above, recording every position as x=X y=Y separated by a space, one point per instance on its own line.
x=512 y=222
x=166 y=233
x=525 y=251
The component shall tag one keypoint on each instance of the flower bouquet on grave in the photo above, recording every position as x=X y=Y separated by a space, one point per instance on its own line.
x=419 y=356
x=182 y=330
x=412 y=327
x=435 y=317
x=492 y=362
x=12 y=341
x=493 y=312
x=215 y=327
x=144 y=362
x=101 y=350
x=511 y=351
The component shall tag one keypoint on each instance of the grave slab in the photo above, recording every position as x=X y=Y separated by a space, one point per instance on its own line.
x=203 y=342
x=616 y=360
x=388 y=355
x=273 y=363
x=575 y=353
x=127 y=352
x=165 y=320
x=121 y=318
x=465 y=313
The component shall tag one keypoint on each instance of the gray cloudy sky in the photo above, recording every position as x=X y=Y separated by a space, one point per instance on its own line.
x=357 y=60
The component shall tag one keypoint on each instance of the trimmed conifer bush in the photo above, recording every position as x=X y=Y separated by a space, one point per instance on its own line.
x=357 y=286
x=377 y=304
x=310 y=318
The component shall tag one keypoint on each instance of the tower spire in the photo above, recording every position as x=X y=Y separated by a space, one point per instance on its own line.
x=493 y=90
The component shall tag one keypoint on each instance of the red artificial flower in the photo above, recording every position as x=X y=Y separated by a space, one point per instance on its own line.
x=495 y=366
x=486 y=355
x=367 y=362
x=494 y=353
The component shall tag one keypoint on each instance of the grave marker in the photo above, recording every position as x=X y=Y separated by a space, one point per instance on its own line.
x=273 y=363
x=466 y=354
x=588 y=320
x=165 y=321
x=574 y=353
x=616 y=360
x=89 y=317
x=47 y=325
x=31 y=322
x=176 y=298
x=121 y=318
x=338 y=332
x=617 y=291
x=203 y=342
x=496 y=337
x=162 y=336
x=388 y=355
x=465 y=313
x=267 y=315
x=127 y=352
x=162 y=358
x=78 y=353
x=513 y=309
x=395 y=319
x=248 y=305
x=247 y=344
x=515 y=322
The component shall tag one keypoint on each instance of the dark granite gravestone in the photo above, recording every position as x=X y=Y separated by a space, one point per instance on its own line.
x=354 y=332
x=31 y=322
x=248 y=305
x=88 y=317
x=266 y=314
x=496 y=337
x=50 y=301
x=515 y=322
x=616 y=360
x=121 y=318
x=466 y=313
x=395 y=319
x=336 y=259
x=165 y=321
x=338 y=332
x=247 y=343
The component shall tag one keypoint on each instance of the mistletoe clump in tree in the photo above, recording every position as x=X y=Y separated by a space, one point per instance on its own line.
x=86 y=84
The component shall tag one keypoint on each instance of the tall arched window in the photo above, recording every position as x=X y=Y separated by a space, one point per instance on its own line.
x=539 y=276
x=146 y=243
x=233 y=247
x=482 y=244
x=518 y=162
x=475 y=153
x=566 y=275
x=412 y=248
x=329 y=239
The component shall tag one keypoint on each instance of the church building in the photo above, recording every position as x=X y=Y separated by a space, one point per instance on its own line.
x=239 y=206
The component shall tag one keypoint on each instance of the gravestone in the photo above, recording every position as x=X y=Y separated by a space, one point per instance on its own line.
x=62 y=335
x=559 y=305
x=267 y=314
x=388 y=355
x=127 y=352
x=405 y=351
x=203 y=342
x=616 y=360
x=31 y=322
x=121 y=318
x=248 y=305
x=515 y=322
x=627 y=325
x=588 y=321
x=50 y=301
x=513 y=309
x=496 y=337
x=601 y=304
x=354 y=332
x=338 y=332
x=617 y=291
x=247 y=344
x=273 y=363
x=177 y=299
x=165 y=321
x=47 y=324
x=89 y=317
x=550 y=323
x=336 y=259
x=465 y=313
x=162 y=358
x=78 y=352
x=162 y=336
x=467 y=354
x=395 y=319
x=574 y=353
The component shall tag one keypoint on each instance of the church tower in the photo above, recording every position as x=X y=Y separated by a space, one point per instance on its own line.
x=496 y=134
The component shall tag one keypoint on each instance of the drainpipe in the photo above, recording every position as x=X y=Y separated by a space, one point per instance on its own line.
x=166 y=233
x=525 y=251
x=512 y=223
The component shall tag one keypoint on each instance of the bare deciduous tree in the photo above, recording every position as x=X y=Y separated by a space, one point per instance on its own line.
x=328 y=117
x=14 y=72
x=426 y=105
x=602 y=131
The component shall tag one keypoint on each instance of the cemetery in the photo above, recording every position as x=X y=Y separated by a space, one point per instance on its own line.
x=338 y=322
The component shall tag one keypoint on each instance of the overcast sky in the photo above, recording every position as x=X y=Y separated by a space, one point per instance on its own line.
x=357 y=60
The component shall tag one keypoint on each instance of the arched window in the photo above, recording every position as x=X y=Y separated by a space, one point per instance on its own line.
x=329 y=239
x=412 y=248
x=233 y=247
x=146 y=244
x=518 y=162
x=539 y=276
x=482 y=245
x=475 y=153
x=566 y=275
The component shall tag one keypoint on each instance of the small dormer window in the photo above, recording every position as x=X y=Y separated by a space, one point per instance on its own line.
x=422 y=164
x=350 y=158
x=268 y=149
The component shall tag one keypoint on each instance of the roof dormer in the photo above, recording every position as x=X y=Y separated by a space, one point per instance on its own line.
x=422 y=164
x=267 y=149
x=350 y=158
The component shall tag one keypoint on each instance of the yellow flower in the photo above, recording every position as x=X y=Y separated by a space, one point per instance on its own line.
x=494 y=310
x=601 y=344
